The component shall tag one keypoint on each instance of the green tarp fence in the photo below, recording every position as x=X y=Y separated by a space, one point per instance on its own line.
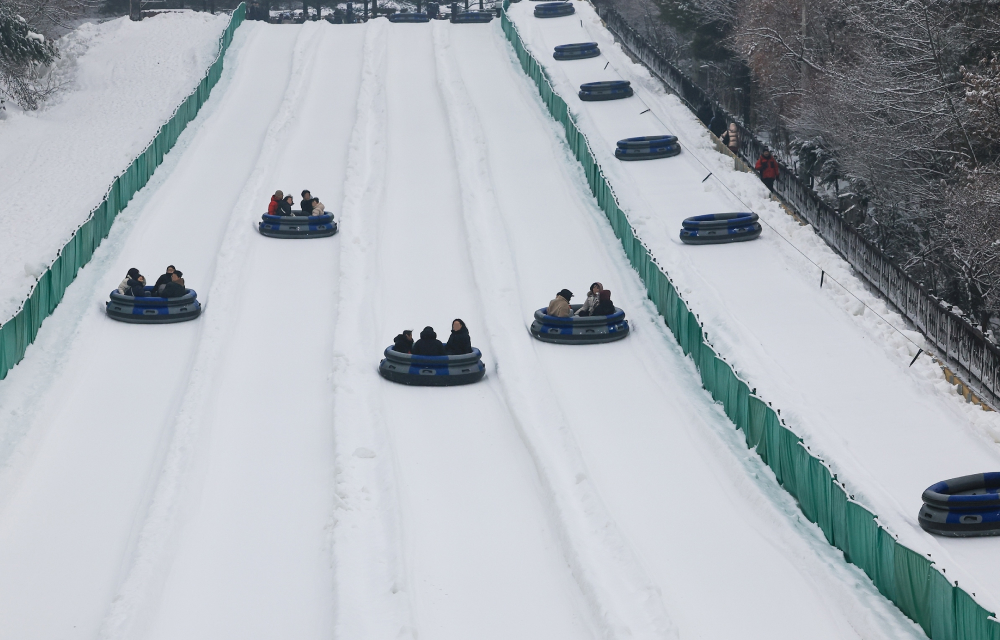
x=19 y=331
x=908 y=579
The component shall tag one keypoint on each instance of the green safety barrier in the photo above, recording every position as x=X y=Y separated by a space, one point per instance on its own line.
x=908 y=579
x=20 y=331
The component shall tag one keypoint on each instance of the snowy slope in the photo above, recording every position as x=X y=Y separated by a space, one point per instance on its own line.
x=839 y=374
x=122 y=80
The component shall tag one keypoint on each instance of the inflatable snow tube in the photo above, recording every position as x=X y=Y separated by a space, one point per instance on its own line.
x=580 y=330
x=554 y=10
x=720 y=228
x=652 y=153
x=472 y=17
x=297 y=226
x=647 y=142
x=409 y=17
x=432 y=371
x=578 y=51
x=962 y=507
x=153 y=310
x=611 y=90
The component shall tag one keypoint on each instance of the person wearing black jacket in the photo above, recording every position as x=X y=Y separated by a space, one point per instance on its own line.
x=175 y=288
x=137 y=286
x=403 y=342
x=165 y=278
x=307 y=203
x=428 y=344
x=459 y=342
x=604 y=305
x=285 y=206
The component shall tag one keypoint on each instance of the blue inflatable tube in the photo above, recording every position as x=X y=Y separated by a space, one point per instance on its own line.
x=579 y=330
x=432 y=371
x=610 y=90
x=297 y=226
x=577 y=54
x=651 y=153
x=720 y=228
x=472 y=17
x=153 y=310
x=554 y=10
x=962 y=507
x=409 y=17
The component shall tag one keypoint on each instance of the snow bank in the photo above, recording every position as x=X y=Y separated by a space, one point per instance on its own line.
x=121 y=80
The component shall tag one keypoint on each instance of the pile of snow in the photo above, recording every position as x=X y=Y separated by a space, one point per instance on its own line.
x=120 y=81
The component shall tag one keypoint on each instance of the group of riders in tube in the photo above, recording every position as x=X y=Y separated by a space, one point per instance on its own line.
x=281 y=205
x=598 y=303
x=459 y=342
x=168 y=285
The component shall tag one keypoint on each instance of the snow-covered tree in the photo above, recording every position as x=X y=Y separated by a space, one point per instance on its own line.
x=22 y=51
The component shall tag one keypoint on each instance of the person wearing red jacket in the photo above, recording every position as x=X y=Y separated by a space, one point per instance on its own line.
x=272 y=207
x=767 y=167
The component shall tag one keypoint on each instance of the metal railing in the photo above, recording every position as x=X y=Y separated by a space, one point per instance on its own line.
x=961 y=345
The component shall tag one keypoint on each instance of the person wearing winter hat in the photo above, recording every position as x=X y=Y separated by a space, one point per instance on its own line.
x=403 y=342
x=428 y=344
x=459 y=342
x=318 y=208
x=559 y=306
x=123 y=288
x=272 y=207
x=604 y=306
x=592 y=298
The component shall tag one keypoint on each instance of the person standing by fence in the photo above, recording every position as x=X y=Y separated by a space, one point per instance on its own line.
x=731 y=138
x=767 y=167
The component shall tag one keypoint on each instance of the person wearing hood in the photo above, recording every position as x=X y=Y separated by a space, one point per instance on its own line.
x=403 y=342
x=459 y=342
x=307 y=203
x=428 y=344
x=592 y=298
x=124 y=287
x=768 y=168
x=604 y=305
x=272 y=207
x=559 y=306
x=285 y=206
x=318 y=208
x=175 y=288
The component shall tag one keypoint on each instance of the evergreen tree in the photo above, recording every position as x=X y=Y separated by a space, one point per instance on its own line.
x=22 y=51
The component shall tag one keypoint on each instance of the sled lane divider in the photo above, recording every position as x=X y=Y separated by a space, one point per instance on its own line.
x=908 y=579
x=20 y=330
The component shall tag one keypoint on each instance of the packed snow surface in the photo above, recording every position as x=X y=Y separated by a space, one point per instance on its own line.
x=249 y=474
x=837 y=371
x=120 y=81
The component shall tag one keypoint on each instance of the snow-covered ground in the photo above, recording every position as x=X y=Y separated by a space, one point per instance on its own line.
x=249 y=474
x=121 y=81
x=838 y=372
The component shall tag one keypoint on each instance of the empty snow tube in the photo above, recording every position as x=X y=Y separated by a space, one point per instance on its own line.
x=297 y=226
x=408 y=17
x=610 y=90
x=579 y=330
x=153 y=310
x=554 y=10
x=719 y=228
x=647 y=142
x=651 y=153
x=472 y=17
x=578 y=51
x=962 y=507
x=432 y=371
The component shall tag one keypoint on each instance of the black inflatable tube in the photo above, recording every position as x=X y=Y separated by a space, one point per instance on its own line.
x=121 y=308
x=554 y=10
x=633 y=154
x=297 y=227
x=606 y=85
x=720 y=220
x=577 y=55
x=408 y=18
x=579 y=330
x=597 y=96
x=576 y=46
x=645 y=142
x=752 y=233
x=959 y=524
x=973 y=491
x=472 y=17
